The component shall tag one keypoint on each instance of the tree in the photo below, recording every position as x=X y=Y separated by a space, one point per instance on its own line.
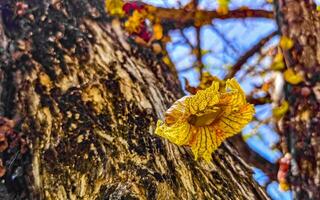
x=85 y=99
x=300 y=21
x=83 y=84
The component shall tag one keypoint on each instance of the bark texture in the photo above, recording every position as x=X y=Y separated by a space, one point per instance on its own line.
x=87 y=100
x=300 y=21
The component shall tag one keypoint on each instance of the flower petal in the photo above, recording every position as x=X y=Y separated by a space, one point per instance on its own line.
x=234 y=122
x=114 y=8
x=179 y=133
x=234 y=86
x=204 y=143
x=203 y=98
x=177 y=111
x=291 y=77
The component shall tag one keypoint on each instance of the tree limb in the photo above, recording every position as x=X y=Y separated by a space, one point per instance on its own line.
x=252 y=158
x=183 y=17
x=243 y=59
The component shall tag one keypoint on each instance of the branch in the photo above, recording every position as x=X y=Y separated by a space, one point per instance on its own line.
x=252 y=158
x=199 y=54
x=225 y=40
x=259 y=101
x=243 y=59
x=183 y=17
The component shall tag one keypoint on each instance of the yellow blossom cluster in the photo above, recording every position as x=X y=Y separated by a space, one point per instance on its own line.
x=223 y=6
x=114 y=7
x=291 y=77
x=133 y=24
x=204 y=120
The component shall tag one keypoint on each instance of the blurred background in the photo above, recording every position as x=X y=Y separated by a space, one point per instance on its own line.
x=222 y=44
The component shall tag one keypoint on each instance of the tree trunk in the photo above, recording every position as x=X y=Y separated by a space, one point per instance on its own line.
x=300 y=21
x=87 y=100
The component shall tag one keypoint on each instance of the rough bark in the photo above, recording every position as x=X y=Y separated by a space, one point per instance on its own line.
x=300 y=21
x=87 y=100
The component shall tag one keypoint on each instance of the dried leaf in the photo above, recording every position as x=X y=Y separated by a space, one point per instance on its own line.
x=291 y=77
x=189 y=88
x=167 y=60
x=114 y=7
x=286 y=43
x=166 y=39
x=266 y=86
x=248 y=136
x=281 y=110
x=204 y=52
x=305 y=115
x=284 y=186
x=157 y=31
x=278 y=63
x=223 y=7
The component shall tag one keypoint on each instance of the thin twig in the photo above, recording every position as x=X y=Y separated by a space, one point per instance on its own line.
x=225 y=40
x=243 y=59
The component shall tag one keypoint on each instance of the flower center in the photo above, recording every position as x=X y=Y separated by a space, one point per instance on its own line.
x=206 y=118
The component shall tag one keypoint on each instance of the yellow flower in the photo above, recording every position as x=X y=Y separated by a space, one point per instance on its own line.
x=281 y=110
x=157 y=31
x=114 y=7
x=223 y=2
x=291 y=77
x=204 y=120
x=284 y=186
x=133 y=24
x=167 y=60
x=223 y=7
x=286 y=43
x=278 y=63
